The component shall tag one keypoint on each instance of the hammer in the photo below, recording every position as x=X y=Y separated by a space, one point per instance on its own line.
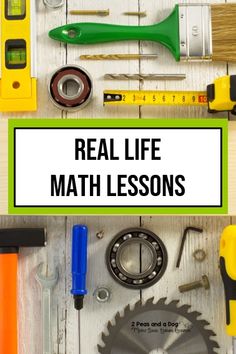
x=10 y=242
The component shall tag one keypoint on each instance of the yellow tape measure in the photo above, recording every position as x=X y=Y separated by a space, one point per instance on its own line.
x=164 y=98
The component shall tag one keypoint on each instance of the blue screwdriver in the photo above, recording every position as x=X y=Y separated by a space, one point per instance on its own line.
x=79 y=264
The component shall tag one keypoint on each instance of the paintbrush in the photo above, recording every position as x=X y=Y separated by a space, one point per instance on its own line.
x=191 y=32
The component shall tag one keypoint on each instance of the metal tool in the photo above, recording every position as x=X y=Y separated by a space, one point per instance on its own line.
x=70 y=88
x=18 y=81
x=90 y=12
x=144 y=76
x=118 y=56
x=202 y=283
x=11 y=240
x=136 y=258
x=186 y=231
x=79 y=264
x=54 y=4
x=102 y=294
x=136 y=13
x=199 y=255
x=158 y=328
x=47 y=283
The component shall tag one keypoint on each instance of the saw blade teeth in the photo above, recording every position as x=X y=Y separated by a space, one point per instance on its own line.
x=211 y=333
x=196 y=314
x=109 y=326
x=138 y=304
x=162 y=301
x=185 y=308
x=174 y=303
x=127 y=309
x=117 y=317
x=104 y=337
x=215 y=344
x=204 y=323
x=149 y=301
x=100 y=348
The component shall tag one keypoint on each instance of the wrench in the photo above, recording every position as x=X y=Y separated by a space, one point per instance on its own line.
x=47 y=283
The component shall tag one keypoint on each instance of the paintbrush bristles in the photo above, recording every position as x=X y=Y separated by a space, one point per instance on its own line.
x=224 y=32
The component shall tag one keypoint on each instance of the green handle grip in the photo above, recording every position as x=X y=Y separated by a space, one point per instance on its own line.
x=165 y=32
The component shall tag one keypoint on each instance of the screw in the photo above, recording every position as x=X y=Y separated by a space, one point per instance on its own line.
x=90 y=12
x=203 y=283
x=100 y=235
x=199 y=255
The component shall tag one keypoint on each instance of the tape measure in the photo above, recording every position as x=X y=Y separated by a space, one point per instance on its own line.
x=18 y=56
x=219 y=96
x=164 y=98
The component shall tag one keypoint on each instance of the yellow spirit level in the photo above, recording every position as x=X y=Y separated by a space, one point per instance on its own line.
x=18 y=90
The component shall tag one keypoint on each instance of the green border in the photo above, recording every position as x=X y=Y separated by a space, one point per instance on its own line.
x=113 y=123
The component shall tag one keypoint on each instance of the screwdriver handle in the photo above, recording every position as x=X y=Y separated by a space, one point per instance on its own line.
x=79 y=264
x=228 y=273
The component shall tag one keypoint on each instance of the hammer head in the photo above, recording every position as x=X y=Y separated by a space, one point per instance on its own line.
x=22 y=237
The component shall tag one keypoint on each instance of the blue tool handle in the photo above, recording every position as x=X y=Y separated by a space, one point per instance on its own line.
x=79 y=264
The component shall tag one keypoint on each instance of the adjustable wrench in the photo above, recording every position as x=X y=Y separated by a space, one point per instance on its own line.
x=47 y=283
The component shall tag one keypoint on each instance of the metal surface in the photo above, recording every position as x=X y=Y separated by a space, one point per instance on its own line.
x=144 y=76
x=90 y=12
x=202 y=283
x=143 y=270
x=64 y=81
x=186 y=231
x=118 y=56
x=195 y=32
x=47 y=283
x=158 y=328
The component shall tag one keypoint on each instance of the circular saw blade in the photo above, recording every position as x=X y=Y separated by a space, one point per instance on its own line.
x=158 y=328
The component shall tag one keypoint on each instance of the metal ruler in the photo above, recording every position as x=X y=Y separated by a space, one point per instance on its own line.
x=163 y=98
x=18 y=56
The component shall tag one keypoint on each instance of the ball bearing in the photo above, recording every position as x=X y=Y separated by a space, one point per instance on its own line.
x=136 y=258
x=70 y=88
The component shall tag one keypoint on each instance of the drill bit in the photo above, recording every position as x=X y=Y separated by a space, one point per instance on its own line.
x=144 y=76
x=118 y=56
x=90 y=12
x=136 y=13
